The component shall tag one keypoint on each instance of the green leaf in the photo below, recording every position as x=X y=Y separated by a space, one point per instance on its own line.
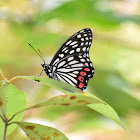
x=67 y=100
x=41 y=132
x=2 y=102
x=61 y=86
x=16 y=100
x=74 y=99
x=79 y=100
x=107 y=111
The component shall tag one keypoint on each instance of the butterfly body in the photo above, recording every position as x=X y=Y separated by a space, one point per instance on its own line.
x=72 y=63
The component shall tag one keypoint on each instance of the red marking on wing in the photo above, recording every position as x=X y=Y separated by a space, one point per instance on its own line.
x=81 y=78
x=86 y=69
x=85 y=65
x=82 y=73
x=81 y=85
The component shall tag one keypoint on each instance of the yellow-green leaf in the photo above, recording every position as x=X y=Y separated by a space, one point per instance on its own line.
x=16 y=100
x=41 y=132
x=2 y=102
x=77 y=99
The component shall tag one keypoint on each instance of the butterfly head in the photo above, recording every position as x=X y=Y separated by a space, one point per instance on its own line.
x=47 y=68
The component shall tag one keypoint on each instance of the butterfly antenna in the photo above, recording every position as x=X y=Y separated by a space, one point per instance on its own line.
x=41 y=56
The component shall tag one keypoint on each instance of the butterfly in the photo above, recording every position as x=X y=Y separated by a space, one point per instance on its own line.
x=71 y=63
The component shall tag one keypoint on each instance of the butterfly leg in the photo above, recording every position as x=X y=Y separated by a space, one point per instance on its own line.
x=84 y=93
x=40 y=73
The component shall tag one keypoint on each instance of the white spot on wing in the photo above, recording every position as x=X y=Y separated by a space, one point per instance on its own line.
x=54 y=68
x=84 y=49
x=91 y=64
x=72 y=74
x=76 y=72
x=61 y=63
x=78 y=36
x=77 y=65
x=65 y=70
x=73 y=43
x=73 y=62
x=68 y=42
x=64 y=49
x=56 y=60
x=71 y=52
x=75 y=46
x=70 y=58
x=61 y=55
x=82 y=60
x=78 y=50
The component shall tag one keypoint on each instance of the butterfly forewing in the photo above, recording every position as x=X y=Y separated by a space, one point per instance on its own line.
x=80 y=42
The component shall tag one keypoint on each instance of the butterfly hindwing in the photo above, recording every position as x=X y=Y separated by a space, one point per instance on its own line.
x=75 y=70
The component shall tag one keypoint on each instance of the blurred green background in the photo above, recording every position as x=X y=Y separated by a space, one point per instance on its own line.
x=115 y=53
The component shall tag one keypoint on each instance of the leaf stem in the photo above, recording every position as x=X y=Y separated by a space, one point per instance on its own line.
x=5 y=130
x=12 y=117
x=12 y=79
x=2 y=118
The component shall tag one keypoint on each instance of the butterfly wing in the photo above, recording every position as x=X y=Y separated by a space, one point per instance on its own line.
x=72 y=63
x=80 y=42
x=75 y=70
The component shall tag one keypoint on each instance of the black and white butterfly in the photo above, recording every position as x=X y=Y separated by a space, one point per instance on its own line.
x=72 y=63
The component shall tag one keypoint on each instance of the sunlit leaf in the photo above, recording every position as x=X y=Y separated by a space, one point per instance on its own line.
x=16 y=100
x=80 y=100
x=41 y=132
x=107 y=111
x=68 y=100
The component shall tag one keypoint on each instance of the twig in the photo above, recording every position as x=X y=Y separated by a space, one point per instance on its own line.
x=12 y=117
x=5 y=130
x=2 y=118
